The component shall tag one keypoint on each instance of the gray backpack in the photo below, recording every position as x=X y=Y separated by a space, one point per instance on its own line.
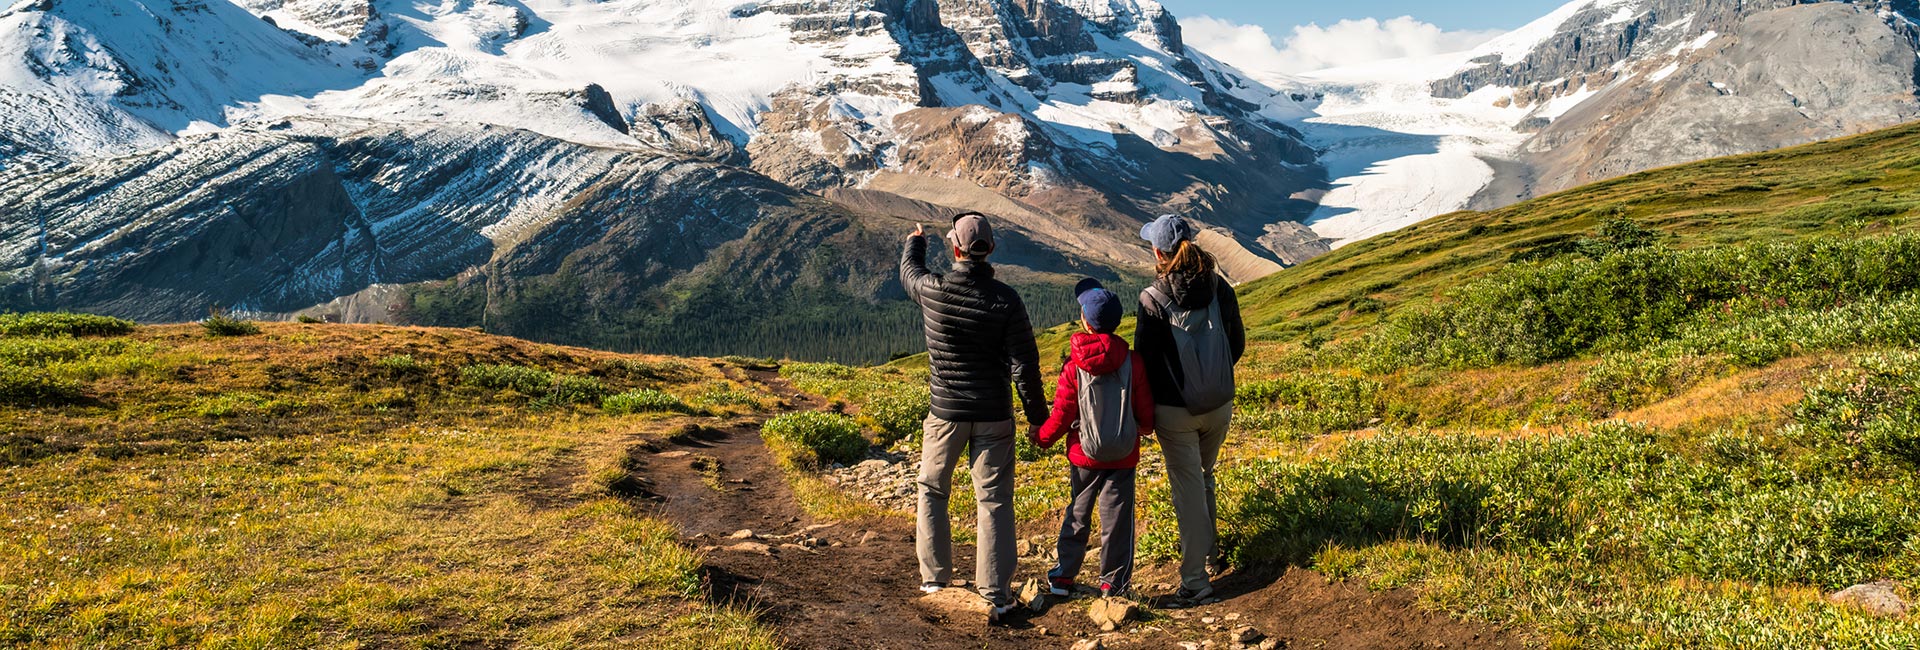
x=1108 y=432
x=1205 y=354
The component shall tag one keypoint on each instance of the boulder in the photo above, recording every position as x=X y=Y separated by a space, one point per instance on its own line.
x=1033 y=595
x=1874 y=597
x=751 y=547
x=1111 y=613
x=1246 y=634
x=956 y=602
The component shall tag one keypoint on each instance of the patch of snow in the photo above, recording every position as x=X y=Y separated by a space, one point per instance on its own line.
x=1683 y=21
x=1663 y=73
x=1514 y=46
x=1558 y=106
x=1621 y=15
x=1697 y=43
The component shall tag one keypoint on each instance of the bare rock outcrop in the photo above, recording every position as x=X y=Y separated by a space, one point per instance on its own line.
x=1777 y=78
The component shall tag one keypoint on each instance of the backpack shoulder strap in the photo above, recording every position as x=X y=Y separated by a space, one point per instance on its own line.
x=1164 y=301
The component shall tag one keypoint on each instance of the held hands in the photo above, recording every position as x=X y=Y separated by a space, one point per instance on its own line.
x=919 y=230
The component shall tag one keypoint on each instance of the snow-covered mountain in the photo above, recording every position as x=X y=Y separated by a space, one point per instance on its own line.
x=1598 y=89
x=160 y=156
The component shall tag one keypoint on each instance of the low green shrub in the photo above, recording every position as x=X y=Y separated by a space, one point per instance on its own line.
x=1867 y=419
x=1756 y=339
x=1632 y=298
x=233 y=404
x=220 y=323
x=62 y=324
x=21 y=386
x=401 y=364
x=547 y=389
x=575 y=389
x=1309 y=403
x=1615 y=494
x=815 y=439
x=37 y=351
x=720 y=395
x=1630 y=380
x=521 y=379
x=645 y=400
x=897 y=414
x=818 y=378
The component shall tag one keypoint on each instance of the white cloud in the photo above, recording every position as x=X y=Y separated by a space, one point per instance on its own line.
x=1312 y=47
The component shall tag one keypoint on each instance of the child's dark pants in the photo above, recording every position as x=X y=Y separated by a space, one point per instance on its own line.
x=1112 y=491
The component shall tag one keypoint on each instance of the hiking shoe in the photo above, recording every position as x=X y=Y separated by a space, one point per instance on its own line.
x=1190 y=597
x=1060 y=586
x=1107 y=591
x=1000 y=610
x=932 y=588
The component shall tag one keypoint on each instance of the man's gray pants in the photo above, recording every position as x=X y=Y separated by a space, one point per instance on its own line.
x=1112 y=490
x=992 y=455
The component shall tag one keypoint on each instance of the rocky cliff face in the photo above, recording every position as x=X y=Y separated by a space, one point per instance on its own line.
x=1618 y=86
x=282 y=216
x=1778 y=78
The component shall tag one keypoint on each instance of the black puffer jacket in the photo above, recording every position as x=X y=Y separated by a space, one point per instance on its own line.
x=1154 y=337
x=979 y=340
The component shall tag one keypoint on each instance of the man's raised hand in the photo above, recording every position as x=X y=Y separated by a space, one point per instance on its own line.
x=919 y=230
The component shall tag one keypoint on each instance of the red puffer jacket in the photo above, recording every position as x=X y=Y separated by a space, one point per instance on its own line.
x=1099 y=354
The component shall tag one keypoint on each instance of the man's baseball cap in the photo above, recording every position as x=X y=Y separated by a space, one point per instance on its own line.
x=1166 y=232
x=1100 y=307
x=972 y=233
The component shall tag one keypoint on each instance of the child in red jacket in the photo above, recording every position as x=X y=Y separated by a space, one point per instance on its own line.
x=1102 y=407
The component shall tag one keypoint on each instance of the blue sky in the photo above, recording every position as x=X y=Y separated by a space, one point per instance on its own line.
x=1279 y=16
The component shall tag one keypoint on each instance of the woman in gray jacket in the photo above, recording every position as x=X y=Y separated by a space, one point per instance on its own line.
x=1191 y=336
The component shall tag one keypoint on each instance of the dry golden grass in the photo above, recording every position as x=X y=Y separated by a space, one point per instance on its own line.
x=294 y=489
x=1757 y=399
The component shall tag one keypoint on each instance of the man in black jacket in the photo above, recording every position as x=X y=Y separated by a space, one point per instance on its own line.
x=979 y=341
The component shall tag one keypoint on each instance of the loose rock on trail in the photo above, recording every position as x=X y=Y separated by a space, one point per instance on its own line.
x=854 y=584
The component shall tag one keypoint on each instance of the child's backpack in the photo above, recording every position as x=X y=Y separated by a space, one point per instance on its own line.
x=1206 y=356
x=1108 y=432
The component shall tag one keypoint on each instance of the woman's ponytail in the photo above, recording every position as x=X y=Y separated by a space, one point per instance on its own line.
x=1189 y=260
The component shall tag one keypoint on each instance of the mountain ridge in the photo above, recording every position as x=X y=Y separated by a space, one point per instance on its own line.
x=1083 y=118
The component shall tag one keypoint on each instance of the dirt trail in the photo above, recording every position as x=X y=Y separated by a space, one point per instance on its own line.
x=857 y=589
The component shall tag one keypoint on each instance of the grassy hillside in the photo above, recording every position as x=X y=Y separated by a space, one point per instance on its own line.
x=1864 y=185
x=288 y=485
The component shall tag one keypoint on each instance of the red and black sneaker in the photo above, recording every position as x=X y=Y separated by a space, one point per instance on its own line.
x=1060 y=586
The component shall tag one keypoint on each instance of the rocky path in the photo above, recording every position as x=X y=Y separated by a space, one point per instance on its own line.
x=852 y=584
